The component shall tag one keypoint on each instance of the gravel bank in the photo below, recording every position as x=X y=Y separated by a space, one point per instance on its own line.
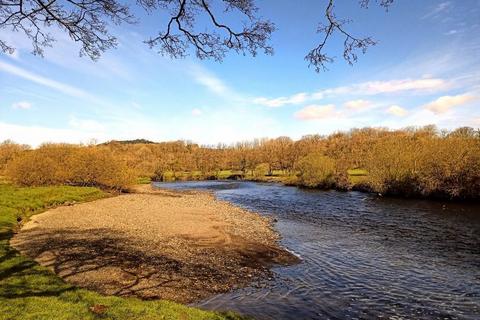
x=154 y=244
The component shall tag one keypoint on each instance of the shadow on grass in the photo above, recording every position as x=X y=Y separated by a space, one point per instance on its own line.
x=5 y=235
x=20 y=278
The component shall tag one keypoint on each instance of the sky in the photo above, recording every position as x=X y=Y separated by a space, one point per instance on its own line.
x=424 y=70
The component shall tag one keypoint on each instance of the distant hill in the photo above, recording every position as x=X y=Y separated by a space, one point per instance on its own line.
x=136 y=141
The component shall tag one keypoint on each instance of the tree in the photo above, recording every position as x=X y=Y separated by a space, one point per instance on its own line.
x=316 y=170
x=8 y=151
x=88 y=22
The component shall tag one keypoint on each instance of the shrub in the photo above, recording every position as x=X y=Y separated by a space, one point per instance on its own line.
x=32 y=169
x=316 y=170
x=95 y=166
x=8 y=151
x=451 y=168
x=261 y=170
x=70 y=165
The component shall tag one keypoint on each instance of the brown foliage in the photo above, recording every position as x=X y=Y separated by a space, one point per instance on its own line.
x=316 y=170
x=69 y=164
x=8 y=151
x=409 y=162
x=424 y=163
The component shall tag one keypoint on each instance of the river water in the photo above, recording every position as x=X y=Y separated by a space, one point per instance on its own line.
x=363 y=257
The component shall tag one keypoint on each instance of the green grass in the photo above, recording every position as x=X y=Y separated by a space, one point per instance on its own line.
x=30 y=291
x=144 y=180
x=357 y=176
x=357 y=172
x=225 y=174
x=197 y=175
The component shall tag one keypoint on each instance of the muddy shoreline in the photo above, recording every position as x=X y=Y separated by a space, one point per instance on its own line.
x=154 y=244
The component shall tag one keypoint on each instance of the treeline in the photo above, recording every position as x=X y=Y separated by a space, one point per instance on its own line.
x=54 y=164
x=411 y=162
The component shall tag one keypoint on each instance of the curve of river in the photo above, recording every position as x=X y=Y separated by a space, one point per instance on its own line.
x=363 y=257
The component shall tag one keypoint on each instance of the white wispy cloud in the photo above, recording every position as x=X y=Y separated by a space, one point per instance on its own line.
x=196 y=112
x=281 y=101
x=438 y=9
x=397 y=111
x=358 y=105
x=212 y=82
x=87 y=125
x=44 y=81
x=388 y=86
x=444 y=104
x=22 y=105
x=451 y=32
x=316 y=112
x=368 y=88
x=65 y=53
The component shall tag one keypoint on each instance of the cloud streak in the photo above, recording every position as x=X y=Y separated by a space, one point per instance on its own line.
x=22 y=105
x=397 y=111
x=445 y=103
x=196 y=112
x=316 y=112
x=281 y=101
x=87 y=125
x=61 y=87
x=438 y=9
x=213 y=83
x=358 y=105
x=369 y=88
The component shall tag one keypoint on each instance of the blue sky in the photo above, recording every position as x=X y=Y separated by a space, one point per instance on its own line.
x=424 y=70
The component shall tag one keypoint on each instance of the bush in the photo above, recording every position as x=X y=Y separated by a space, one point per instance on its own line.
x=451 y=168
x=8 y=151
x=316 y=170
x=261 y=170
x=69 y=165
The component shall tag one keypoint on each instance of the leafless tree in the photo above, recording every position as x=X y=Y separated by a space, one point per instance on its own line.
x=88 y=22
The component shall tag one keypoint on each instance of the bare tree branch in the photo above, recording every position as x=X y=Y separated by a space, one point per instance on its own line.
x=383 y=3
x=88 y=22
x=85 y=21
x=351 y=45
x=180 y=33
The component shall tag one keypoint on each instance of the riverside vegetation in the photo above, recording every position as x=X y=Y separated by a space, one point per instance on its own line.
x=416 y=162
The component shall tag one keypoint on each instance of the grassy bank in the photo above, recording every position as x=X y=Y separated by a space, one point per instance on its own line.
x=355 y=179
x=29 y=291
x=355 y=176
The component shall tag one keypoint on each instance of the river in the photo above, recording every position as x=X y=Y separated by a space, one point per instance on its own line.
x=363 y=256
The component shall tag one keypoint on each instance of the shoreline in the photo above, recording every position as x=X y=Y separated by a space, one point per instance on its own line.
x=356 y=187
x=155 y=244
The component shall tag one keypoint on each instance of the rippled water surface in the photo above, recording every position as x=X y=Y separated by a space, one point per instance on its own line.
x=363 y=257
